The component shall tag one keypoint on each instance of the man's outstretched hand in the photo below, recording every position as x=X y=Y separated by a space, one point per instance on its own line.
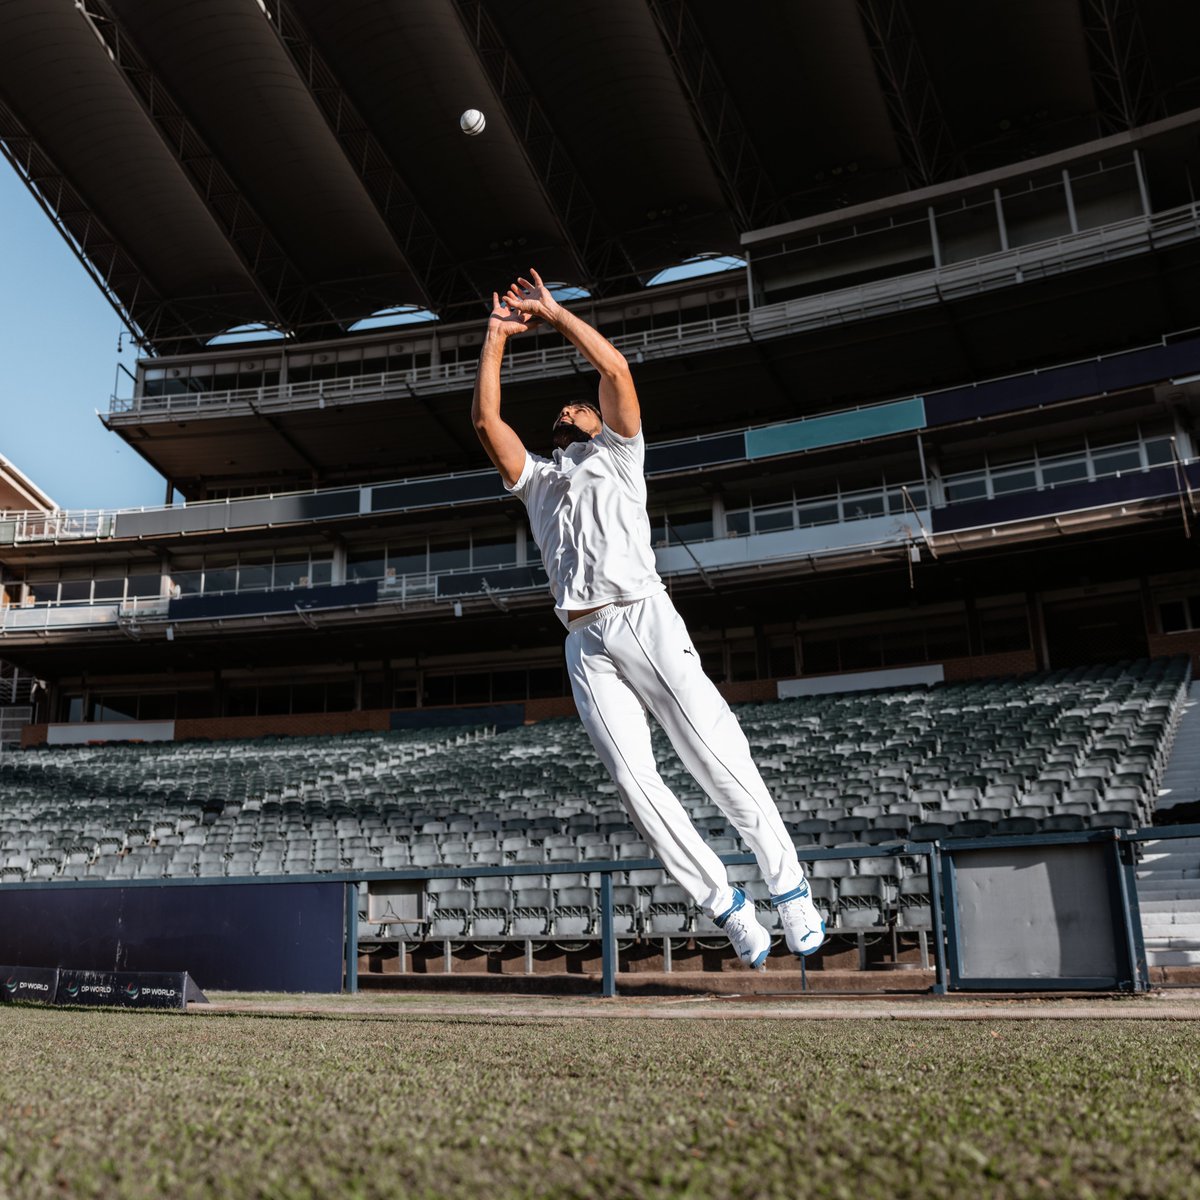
x=532 y=299
x=506 y=320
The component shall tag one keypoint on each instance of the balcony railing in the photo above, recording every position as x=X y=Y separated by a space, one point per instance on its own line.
x=1075 y=251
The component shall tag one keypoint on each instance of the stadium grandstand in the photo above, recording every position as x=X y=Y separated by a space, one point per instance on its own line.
x=908 y=295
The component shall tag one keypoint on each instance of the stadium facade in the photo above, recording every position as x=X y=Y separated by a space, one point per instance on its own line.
x=940 y=423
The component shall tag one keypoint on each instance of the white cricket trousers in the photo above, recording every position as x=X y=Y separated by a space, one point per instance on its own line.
x=633 y=657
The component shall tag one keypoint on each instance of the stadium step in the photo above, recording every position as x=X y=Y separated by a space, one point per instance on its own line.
x=1173 y=958
x=1181 y=780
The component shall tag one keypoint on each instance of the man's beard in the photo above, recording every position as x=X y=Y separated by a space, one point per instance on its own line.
x=565 y=434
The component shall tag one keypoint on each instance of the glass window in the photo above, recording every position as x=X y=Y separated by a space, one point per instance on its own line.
x=862 y=504
x=339 y=696
x=188 y=582
x=1066 y=470
x=966 y=487
x=1158 y=451
x=109 y=589
x=291 y=572
x=158 y=707
x=493 y=552
x=407 y=561
x=447 y=558
x=114 y=708
x=365 y=564
x=74 y=591
x=1194 y=611
x=148 y=585
x=1124 y=458
x=817 y=512
x=768 y=519
x=1006 y=482
x=322 y=572
x=738 y=522
x=254 y=572
x=220 y=574
x=691 y=526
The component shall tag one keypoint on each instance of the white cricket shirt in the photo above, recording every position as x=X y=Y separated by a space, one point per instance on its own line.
x=587 y=511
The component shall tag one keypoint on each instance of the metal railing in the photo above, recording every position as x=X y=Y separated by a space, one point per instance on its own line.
x=1137 y=235
x=943 y=930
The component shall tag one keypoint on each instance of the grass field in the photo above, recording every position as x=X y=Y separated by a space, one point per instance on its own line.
x=112 y=1104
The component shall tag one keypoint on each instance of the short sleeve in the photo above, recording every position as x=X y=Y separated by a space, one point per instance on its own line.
x=522 y=479
x=628 y=453
x=530 y=482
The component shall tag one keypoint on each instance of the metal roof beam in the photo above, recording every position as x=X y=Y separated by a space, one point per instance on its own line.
x=122 y=281
x=1122 y=73
x=151 y=319
x=925 y=142
x=290 y=302
x=747 y=186
x=598 y=256
x=443 y=283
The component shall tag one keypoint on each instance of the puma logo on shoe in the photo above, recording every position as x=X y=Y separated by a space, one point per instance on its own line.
x=689 y=650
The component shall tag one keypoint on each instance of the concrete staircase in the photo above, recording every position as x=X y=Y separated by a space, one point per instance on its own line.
x=1169 y=874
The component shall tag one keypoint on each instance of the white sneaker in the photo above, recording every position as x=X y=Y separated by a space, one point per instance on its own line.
x=803 y=927
x=751 y=941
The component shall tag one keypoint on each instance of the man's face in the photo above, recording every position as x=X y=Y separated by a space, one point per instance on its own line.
x=574 y=423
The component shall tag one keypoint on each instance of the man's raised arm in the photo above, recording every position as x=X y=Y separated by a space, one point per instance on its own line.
x=500 y=440
x=618 y=397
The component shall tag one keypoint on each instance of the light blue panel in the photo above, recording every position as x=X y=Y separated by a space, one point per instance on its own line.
x=836 y=428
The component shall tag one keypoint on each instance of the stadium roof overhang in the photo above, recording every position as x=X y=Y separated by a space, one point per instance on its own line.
x=299 y=164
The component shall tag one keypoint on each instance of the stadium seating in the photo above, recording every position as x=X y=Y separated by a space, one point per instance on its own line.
x=1062 y=750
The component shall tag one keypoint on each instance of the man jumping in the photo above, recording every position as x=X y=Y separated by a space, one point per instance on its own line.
x=628 y=650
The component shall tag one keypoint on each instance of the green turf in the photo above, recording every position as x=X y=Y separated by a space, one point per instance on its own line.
x=111 y=1104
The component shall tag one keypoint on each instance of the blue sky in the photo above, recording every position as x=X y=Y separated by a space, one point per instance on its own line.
x=58 y=344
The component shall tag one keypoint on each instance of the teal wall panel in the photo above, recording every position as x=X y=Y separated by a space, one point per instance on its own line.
x=836 y=428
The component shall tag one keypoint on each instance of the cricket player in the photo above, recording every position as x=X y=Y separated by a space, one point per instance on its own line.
x=628 y=650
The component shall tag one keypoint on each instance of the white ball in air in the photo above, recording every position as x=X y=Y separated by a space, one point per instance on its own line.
x=472 y=122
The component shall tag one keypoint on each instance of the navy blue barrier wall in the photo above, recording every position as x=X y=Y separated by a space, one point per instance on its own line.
x=269 y=936
x=1079 y=380
x=503 y=716
x=238 y=513
x=1139 y=485
x=248 y=604
x=420 y=493
x=505 y=579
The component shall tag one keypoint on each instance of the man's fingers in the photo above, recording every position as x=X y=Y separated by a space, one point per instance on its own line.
x=525 y=283
x=495 y=302
x=536 y=277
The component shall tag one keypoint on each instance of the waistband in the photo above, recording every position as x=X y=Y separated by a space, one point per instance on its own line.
x=599 y=614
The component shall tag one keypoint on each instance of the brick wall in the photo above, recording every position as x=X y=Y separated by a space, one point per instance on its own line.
x=295 y=724
x=982 y=666
x=1166 y=645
